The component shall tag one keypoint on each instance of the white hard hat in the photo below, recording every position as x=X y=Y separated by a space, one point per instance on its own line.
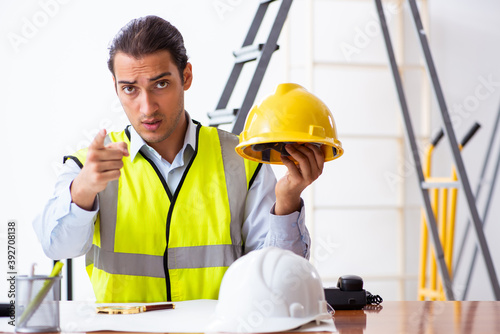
x=269 y=290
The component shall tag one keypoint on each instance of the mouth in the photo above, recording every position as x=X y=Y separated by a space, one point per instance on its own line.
x=152 y=125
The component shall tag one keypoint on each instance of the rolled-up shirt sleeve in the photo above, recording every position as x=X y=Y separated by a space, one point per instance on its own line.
x=262 y=228
x=63 y=228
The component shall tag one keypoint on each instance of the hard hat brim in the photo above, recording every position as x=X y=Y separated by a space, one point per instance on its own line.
x=332 y=149
x=261 y=324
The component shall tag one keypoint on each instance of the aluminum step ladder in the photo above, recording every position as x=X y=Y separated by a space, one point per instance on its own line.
x=250 y=52
x=450 y=134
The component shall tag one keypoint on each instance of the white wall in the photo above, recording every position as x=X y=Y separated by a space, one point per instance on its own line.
x=57 y=92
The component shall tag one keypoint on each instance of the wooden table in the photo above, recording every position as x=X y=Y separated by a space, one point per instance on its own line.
x=422 y=317
x=408 y=317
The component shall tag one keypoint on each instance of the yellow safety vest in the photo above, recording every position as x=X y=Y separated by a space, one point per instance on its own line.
x=150 y=245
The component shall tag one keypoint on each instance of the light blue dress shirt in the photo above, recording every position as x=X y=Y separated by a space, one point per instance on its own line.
x=65 y=230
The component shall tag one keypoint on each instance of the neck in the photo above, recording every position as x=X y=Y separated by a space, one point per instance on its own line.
x=169 y=147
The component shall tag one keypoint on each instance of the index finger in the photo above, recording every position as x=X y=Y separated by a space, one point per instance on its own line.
x=121 y=146
x=98 y=141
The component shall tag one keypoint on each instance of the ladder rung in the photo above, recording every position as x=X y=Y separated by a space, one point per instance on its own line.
x=222 y=113
x=430 y=293
x=221 y=120
x=440 y=184
x=222 y=116
x=249 y=53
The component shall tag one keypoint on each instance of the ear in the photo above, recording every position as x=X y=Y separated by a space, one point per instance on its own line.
x=114 y=84
x=188 y=76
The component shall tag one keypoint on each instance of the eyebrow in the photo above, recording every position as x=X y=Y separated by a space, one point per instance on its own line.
x=164 y=74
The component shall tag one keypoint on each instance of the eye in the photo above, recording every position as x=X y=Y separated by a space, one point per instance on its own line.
x=128 y=89
x=162 y=84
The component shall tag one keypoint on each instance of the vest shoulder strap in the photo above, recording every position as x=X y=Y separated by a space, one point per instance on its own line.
x=229 y=141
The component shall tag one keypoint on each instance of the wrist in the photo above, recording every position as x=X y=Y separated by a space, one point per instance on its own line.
x=287 y=206
x=82 y=197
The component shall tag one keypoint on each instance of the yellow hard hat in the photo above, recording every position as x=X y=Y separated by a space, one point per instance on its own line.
x=290 y=115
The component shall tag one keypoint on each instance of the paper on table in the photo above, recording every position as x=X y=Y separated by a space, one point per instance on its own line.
x=188 y=316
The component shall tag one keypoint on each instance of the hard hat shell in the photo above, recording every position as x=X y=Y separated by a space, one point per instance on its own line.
x=290 y=115
x=269 y=290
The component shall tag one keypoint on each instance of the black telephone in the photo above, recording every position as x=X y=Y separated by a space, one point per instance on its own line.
x=349 y=294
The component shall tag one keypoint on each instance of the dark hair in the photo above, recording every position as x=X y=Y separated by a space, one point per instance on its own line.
x=147 y=35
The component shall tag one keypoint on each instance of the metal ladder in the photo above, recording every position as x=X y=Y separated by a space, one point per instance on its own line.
x=250 y=52
x=450 y=134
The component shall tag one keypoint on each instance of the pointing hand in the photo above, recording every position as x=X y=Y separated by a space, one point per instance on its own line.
x=103 y=164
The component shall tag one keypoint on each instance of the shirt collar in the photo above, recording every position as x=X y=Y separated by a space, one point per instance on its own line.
x=137 y=143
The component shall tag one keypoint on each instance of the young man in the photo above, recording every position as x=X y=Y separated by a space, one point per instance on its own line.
x=162 y=208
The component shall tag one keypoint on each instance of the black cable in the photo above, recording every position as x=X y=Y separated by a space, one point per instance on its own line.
x=373 y=299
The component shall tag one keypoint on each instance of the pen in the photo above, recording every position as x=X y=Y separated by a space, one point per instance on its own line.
x=133 y=309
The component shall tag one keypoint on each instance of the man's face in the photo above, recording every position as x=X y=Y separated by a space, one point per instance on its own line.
x=151 y=92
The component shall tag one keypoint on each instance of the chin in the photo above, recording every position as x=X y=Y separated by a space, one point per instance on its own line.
x=154 y=138
x=151 y=139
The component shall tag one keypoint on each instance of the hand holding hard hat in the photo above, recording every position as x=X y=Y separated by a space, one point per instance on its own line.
x=291 y=127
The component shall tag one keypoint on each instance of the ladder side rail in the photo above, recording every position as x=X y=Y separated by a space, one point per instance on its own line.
x=482 y=177
x=256 y=23
x=431 y=220
x=485 y=216
x=230 y=85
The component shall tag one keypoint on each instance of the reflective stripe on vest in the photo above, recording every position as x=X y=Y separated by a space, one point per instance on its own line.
x=128 y=258
x=138 y=264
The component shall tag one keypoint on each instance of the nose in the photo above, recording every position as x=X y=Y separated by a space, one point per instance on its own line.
x=148 y=105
